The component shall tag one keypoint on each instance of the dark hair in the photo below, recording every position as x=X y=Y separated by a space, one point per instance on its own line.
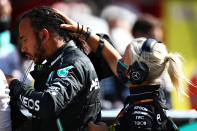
x=45 y=17
x=145 y=24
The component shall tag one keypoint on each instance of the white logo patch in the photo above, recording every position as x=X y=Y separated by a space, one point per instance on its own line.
x=30 y=103
x=94 y=84
x=53 y=90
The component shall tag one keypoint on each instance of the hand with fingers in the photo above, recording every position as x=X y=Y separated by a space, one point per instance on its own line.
x=74 y=27
x=71 y=24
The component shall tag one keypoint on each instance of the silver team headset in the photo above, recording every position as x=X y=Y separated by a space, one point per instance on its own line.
x=138 y=71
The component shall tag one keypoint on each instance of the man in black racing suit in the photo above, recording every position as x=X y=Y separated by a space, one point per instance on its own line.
x=65 y=95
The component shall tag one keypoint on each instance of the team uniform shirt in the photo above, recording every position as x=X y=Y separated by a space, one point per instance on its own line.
x=66 y=93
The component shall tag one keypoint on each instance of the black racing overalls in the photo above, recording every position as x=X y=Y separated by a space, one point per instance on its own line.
x=66 y=93
x=143 y=111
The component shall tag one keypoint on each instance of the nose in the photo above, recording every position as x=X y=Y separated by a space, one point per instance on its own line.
x=23 y=48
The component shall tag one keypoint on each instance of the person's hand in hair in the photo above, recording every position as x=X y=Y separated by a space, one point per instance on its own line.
x=100 y=126
x=109 y=53
x=71 y=25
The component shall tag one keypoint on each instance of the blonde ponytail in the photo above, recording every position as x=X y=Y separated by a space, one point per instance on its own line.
x=175 y=71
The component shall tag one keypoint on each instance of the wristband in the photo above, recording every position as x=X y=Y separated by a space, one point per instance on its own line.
x=77 y=27
x=100 y=46
x=81 y=30
x=88 y=33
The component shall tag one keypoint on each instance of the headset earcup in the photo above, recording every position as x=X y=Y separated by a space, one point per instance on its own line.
x=138 y=72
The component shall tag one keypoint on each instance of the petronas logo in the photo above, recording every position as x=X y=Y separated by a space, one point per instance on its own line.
x=64 y=72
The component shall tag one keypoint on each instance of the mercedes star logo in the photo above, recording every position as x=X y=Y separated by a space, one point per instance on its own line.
x=136 y=75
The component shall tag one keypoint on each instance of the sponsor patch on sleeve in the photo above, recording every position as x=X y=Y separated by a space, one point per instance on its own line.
x=64 y=71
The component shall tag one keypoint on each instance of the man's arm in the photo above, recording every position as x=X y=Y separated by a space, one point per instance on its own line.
x=108 y=52
x=49 y=103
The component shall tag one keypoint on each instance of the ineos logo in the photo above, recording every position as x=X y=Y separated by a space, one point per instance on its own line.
x=136 y=75
x=30 y=103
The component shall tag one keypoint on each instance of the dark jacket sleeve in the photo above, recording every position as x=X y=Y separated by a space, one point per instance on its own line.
x=16 y=115
x=62 y=86
x=102 y=68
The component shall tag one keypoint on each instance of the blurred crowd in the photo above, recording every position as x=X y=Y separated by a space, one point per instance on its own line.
x=123 y=20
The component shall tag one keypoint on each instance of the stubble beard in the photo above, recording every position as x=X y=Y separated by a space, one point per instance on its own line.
x=40 y=51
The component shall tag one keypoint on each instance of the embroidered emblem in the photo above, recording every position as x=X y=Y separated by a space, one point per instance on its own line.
x=64 y=72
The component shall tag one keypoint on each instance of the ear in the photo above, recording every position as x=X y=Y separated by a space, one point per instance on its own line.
x=44 y=34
